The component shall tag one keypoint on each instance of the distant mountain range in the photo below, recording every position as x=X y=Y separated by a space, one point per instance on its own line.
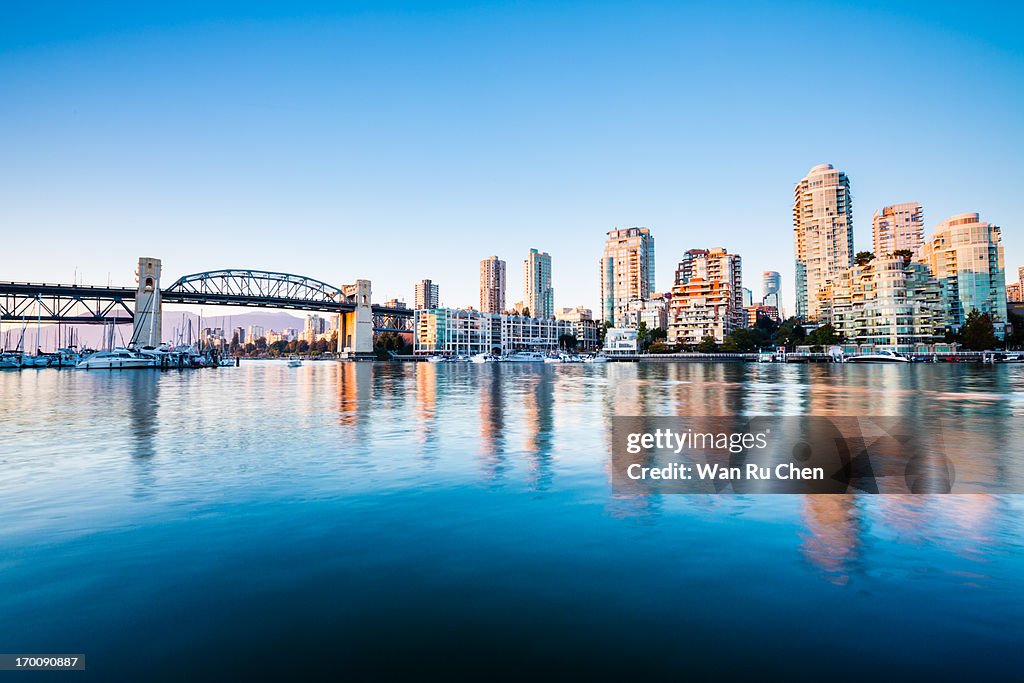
x=175 y=327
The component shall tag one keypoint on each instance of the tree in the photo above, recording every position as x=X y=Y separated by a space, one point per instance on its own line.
x=659 y=346
x=743 y=340
x=904 y=254
x=567 y=342
x=1016 y=337
x=978 y=333
x=826 y=335
x=863 y=258
x=602 y=332
x=642 y=338
x=707 y=344
x=790 y=333
x=386 y=342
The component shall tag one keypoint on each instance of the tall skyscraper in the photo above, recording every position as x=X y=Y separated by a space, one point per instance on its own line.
x=538 y=295
x=771 y=284
x=627 y=271
x=966 y=255
x=492 y=285
x=823 y=233
x=898 y=227
x=707 y=299
x=427 y=295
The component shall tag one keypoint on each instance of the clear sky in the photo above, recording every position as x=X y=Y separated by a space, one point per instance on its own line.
x=397 y=141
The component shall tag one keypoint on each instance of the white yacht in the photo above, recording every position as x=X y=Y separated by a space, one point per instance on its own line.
x=880 y=357
x=118 y=359
x=436 y=359
x=525 y=357
x=295 y=363
x=482 y=358
x=599 y=358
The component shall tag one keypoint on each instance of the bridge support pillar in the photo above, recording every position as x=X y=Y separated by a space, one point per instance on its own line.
x=355 y=329
x=147 y=329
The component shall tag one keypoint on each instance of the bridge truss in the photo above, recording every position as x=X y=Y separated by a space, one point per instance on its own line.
x=79 y=304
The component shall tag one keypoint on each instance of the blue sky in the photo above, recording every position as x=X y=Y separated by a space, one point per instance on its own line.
x=396 y=141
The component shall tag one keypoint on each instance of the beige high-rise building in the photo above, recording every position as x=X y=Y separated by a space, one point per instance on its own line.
x=707 y=299
x=966 y=255
x=891 y=303
x=898 y=227
x=538 y=295
x=492 y=285
x=823 y=235
x=627 y=271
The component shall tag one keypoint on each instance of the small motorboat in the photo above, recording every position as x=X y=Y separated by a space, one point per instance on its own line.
x=295 y=363
x=599 y=358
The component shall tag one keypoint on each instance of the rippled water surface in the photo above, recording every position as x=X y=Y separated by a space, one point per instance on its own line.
x=360 y=520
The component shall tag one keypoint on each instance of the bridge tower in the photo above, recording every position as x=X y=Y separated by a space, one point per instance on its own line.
x=355 y=329
x=148 y=306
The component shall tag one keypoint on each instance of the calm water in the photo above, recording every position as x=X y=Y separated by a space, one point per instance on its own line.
x=375 y=520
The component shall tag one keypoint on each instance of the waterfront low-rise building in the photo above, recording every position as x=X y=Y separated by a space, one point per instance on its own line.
x=584 y=327
x=621 y=340
x=467 y=332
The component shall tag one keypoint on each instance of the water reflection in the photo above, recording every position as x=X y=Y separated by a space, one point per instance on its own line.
x=180 y=436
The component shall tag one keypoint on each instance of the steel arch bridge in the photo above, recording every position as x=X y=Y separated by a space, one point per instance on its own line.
x=262 y=288
x=81 y=304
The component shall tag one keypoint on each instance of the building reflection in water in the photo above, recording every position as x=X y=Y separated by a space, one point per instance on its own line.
x=537 y=386
x=426 y=396
x=354 y=386
x=832 y=540
x=491 y=397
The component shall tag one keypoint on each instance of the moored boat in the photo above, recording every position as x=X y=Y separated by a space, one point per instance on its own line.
x=118 y=359
x=880 y=357
x=524 y=357
x=10 y=361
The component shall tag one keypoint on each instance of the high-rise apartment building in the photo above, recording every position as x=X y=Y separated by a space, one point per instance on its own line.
x=771 y=285
x=891 y=303
x=896 y=228
x=538 y=296
x=707 y=299
x=492 y=285
x=427 y=295
x=627 y=271
x=966 y=255
x=823 y=234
